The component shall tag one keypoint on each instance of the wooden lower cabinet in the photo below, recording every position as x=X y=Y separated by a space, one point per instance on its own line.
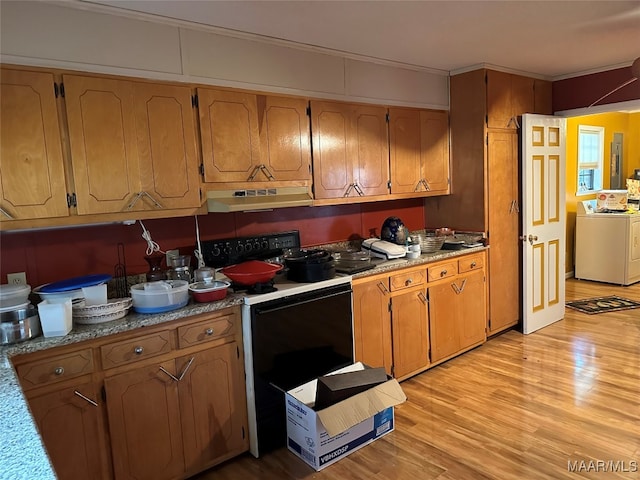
x=160 y=406
x=457 y=316
x=410 y=326
x=71 y=420
x=372 y=323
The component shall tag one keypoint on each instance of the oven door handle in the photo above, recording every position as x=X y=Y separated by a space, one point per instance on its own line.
x=288 y=304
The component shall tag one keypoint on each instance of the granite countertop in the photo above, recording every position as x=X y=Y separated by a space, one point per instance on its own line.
x=23 y=455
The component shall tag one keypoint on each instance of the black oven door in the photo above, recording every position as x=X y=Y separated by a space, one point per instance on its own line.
x=294 y=340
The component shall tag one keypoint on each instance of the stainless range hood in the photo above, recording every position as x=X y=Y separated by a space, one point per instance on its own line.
x=257 y=199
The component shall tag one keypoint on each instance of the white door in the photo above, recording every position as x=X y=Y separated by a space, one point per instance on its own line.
x=543 y=220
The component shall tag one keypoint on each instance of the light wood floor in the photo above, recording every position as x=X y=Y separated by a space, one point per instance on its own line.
x=518 y=407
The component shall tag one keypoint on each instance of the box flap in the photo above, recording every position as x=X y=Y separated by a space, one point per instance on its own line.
x=344 y=415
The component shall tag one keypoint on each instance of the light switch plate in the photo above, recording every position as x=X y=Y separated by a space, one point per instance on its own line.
x=19 y=278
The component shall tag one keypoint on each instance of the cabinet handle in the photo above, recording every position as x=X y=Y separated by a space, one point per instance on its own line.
x=138 y=196
x=138 y=350
x=209 y=331
x=473 y=264
x=59 y=370
x=4 y=212
x=346 y=194
x=254 y=173
x=85 y=398
x=443 y=273
x=426 y=185
x=455 y=288
x=184 y=372
x=383 y=288
x=422 y=297
x=266 y=171
x=464 y=282
x=408 y=282
x=359 y=191
x=173 y=377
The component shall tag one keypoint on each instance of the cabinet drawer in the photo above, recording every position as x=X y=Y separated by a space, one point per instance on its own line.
x=55 y=369
x=134 y=350
x=442 y=270
x=407 y=280
x=472 y=262
x=205 y=331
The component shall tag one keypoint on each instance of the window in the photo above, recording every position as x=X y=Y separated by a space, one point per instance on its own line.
x=590 y=158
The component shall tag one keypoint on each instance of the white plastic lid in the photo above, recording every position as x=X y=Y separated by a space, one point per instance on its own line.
x=13 y=290
x=14 y=307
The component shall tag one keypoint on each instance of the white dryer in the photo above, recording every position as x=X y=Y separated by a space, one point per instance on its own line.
x=607 y=245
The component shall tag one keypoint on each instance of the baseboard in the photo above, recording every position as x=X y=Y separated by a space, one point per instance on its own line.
x=568 y=275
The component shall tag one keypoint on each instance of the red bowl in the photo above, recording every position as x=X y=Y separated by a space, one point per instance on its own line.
x=209 y=292
x=251 y=272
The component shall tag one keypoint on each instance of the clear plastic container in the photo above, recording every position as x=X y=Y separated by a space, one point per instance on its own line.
x=161 y=296
x=13 y=295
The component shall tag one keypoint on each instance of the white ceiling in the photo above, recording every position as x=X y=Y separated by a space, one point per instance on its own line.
x=552 y=39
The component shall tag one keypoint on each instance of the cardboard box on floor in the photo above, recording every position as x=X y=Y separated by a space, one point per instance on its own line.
x=322 y=438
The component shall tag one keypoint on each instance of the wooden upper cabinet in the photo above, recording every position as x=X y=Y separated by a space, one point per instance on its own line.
x=284 y=139
x=419 y=141
x=32 y=179
x=253 y=138
x=167 y=145
x=351 y=150
x=104 y=152
x=229 y=134
x=133 y=145
x=508 y=96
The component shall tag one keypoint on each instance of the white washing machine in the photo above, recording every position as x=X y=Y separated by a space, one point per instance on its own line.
x=607 y=245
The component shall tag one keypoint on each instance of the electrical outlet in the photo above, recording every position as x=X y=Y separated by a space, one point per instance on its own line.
x=19 y=278
x=171 y=253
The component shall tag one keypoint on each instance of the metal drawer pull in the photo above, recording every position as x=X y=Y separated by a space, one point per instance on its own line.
x=459 y=289
x=408 y=282
x=59 y=371
x=422 y=297
x=2 y=210
x=473 y=264
x=85 y=398
x=138 y=350
x=359 y=191
x=346 y=194
x=209 y=331
x=184 y=372
x=443 y=273
x=383 y=288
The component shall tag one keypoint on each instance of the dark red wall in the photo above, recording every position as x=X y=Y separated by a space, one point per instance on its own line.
x=580 y=92
x=50 y=255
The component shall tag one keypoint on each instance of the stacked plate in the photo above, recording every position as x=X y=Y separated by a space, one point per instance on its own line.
x=114 y=309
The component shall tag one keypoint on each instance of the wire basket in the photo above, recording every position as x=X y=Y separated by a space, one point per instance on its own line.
x=431 y=243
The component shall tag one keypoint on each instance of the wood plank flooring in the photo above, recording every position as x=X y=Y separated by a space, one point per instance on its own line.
x=518 y=407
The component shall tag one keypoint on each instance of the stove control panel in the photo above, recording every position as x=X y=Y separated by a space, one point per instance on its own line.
x=228 y=251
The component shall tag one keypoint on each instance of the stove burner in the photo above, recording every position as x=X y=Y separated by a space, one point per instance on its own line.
x=256 y=288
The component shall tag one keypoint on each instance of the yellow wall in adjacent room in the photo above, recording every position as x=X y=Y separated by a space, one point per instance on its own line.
x=626 y=123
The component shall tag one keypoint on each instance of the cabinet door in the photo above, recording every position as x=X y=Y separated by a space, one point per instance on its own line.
x=332 y=162
x=522 y=95
x=32 y=180
x=504 y=225
x=167 y=145
x=443 y=320
x=370 y=150
x=213 y=407
x=405 y=150
x=372 y=324
x=434 y=127
x=499 y=110
x=472 y=320
x=103 y=143
x=72 y=428
x=229 y=134
x=409 y=314
x=284 y=139
x=144 y=422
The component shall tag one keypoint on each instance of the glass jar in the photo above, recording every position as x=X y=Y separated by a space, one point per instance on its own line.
x=155 y=268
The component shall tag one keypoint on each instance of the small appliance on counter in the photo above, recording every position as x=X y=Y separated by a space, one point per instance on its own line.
x=394 y=231
x=384 y=249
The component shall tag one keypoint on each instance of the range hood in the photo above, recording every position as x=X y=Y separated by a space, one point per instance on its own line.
x=257 y=199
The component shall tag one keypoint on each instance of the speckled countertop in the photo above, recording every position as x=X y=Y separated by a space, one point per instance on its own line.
x=23 y=455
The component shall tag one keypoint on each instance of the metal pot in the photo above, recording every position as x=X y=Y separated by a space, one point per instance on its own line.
x=310 y=266
x=19 y=325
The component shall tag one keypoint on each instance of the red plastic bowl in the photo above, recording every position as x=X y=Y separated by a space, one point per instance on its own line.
x=209 y=292
x=251 y=272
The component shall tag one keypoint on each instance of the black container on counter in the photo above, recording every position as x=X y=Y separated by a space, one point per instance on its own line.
x=310 y=266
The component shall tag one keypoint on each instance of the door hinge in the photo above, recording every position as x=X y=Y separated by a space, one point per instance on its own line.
x=194 y=101
x=237 y=351
x=56 y=90
x=387 y=117
x=486 y=119
x=429 y=355
x=389 y=185
x=243 y=431
x=62 y=90
x=201 y=169
x=308 y=110
x=103 y=394
x=389 y=305
x=72 y=200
